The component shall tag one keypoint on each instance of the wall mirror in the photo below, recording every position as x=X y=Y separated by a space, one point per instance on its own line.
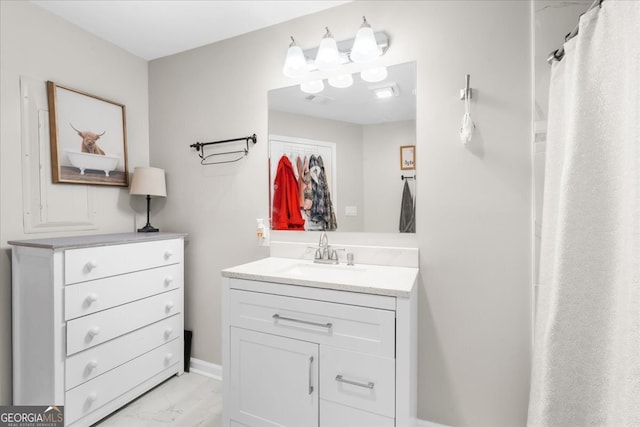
x=363 y=140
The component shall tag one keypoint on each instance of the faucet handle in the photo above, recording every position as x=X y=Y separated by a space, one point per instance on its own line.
x=334 y=253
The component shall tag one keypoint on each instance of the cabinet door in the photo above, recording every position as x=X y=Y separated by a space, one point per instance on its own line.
x=274 y=380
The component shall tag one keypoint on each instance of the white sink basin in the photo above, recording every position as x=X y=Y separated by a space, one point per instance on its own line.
x=324 y=272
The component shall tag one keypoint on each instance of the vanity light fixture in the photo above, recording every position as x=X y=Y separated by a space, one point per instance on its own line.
x=341 y=81
x=328 y=57
x=365 y=48
x=295 y=64
x=312 y=86
x=374 y=75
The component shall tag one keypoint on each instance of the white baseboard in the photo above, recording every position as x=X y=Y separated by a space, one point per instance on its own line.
x=214 y=371
x=207 y=369
x=425 y=423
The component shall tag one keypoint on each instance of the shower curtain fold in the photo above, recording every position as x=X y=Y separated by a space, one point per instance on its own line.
x=586 y=356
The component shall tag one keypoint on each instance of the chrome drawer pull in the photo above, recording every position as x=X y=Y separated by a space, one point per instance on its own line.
x=342 y=380
x=327 y=325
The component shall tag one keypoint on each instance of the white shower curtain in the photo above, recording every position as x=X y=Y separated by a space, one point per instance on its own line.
x=586 y=358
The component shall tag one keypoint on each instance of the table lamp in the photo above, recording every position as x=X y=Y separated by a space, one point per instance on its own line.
x=148 y=181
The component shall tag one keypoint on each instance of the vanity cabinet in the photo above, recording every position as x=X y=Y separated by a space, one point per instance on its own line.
x=304 y=356
x=97 y=320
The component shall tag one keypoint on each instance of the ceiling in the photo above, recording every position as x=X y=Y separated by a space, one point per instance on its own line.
x=152 y=29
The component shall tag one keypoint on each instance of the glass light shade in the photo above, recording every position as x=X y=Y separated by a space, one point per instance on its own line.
x=312 y=86
x=328 y=57
x=341 y=81
x=373 y=75
x=295 y=63
x=365 y=48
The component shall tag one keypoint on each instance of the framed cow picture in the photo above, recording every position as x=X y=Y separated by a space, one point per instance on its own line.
x=88 y=138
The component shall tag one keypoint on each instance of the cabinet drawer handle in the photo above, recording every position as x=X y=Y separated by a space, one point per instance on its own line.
x=92 y=365
x=92 y=297
x=168 y=332
x=168 y=253
x=168 y=357
x=92 y=397
x=364 y=385
x=327 y=325
x=94 y=331
x=168 y=306
x=310 y=374
x=168 y=280
x=91 y=264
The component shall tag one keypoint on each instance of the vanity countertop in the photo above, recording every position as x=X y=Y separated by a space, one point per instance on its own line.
x=363 y=278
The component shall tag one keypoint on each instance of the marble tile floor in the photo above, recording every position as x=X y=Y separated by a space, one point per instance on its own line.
x=189 y=400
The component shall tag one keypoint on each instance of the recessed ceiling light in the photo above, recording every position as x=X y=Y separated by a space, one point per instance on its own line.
x=385 y=91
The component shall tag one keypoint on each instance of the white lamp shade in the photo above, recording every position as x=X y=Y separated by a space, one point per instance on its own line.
x=148 y=181
x=295 y=63
x=312 y=86
x=328 y=57
x=341 y=81
x=373 y=75
x=365 y=48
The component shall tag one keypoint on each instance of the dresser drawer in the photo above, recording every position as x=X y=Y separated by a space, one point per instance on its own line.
x=104 y=261
x=93 y=394
x=91 y=363
x=89 y=297
x=88 y=331
x=358 y=380
x=364 y=329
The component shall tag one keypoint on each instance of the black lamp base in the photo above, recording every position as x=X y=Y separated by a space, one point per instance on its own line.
x=147 y=229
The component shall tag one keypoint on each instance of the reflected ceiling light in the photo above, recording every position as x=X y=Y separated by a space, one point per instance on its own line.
x=386 y=90
x=365 y=48
x=312 y=86
x=341 y=81
x=328 y=57
x=374 y=75
x=295 y=63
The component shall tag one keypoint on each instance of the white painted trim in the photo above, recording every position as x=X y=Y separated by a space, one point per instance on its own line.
x=207 y=369
x=425 y=423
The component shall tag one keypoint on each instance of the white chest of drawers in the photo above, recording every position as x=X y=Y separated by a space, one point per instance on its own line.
x=97 y=320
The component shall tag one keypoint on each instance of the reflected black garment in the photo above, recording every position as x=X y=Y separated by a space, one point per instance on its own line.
x=407 y=211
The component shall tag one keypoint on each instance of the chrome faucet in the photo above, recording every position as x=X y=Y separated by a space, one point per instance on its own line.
x=324 y=253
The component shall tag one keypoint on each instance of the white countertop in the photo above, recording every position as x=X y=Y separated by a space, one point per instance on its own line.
x=370 y=279
x=90 y=240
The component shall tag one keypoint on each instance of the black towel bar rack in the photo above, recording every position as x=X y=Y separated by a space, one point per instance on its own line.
x=402 y=177
x=199 y=146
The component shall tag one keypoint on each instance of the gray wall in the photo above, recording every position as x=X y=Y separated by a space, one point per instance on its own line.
x=37 y=45
x=474 y=202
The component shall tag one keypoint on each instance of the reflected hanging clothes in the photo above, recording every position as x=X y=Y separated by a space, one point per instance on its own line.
x=407 y=211
x=286 y=203
x=322 y=209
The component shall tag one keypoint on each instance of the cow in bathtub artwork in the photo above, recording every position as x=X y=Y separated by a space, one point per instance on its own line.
x=87 y=137
x=91 y=156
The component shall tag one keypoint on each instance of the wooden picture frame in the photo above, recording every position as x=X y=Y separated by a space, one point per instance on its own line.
x=88 y=138
x=407 y=157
